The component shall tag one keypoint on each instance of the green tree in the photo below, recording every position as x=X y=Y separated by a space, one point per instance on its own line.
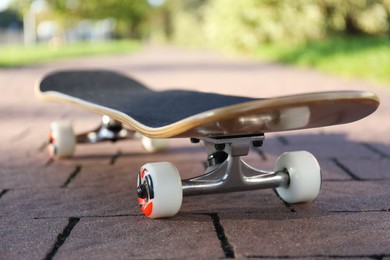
x=10 y=18
x=132 y=16
x=370 y=17
x=247 y=24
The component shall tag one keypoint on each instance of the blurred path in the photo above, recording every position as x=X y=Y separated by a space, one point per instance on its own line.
x=85 y=207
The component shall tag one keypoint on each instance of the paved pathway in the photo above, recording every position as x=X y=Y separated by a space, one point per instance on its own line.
x=85 y=207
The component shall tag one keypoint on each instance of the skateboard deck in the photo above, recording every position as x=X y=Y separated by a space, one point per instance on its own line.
x=227 y=125
x=182 y=113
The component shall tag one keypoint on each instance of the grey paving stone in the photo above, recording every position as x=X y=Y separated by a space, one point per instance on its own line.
x=183 y=237
x=104 y=175
x=110 y=199
x=24 y=238
x=273 y=145
x=378 y=169
x=382 y=149
x=350 y=196
x=247 y=201
x=308 y=235
x=35 y=176
x=328 y=146
x=330 y=171
x=188 y=158
x=94 y=154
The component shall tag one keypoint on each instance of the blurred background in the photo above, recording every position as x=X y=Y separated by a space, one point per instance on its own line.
x=344 y=37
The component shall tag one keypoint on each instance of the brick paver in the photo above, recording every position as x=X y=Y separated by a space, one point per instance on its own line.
x=86 y=207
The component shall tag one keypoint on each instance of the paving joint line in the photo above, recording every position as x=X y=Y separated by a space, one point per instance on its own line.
x=283 y=140
x=205 y=165
x=346 y=169
x=375 y=150
x=373 y=256
x=288 y=205
x=360 y=211
x=227 y=248
x=22 y=134
x=115 y=157
x=3 y=192
x=261 y=153
x=337 y=180
x=92 y=216
x=42 y=147
x=49 y=162
x=72 y=175
x=61 y=238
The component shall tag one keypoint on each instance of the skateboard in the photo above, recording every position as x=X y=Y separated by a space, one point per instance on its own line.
x=227 y=125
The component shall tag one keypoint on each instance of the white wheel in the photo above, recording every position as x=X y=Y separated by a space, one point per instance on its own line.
x=305 y=176
x=154 y=145
x=159 y=189
x=62 y=140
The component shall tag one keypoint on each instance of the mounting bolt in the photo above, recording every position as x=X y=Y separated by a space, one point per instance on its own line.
x=194 y=140
x=219 y=147
x=258 y=143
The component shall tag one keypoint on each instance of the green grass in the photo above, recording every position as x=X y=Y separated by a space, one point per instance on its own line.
x=14 y=56
x=356 y=57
